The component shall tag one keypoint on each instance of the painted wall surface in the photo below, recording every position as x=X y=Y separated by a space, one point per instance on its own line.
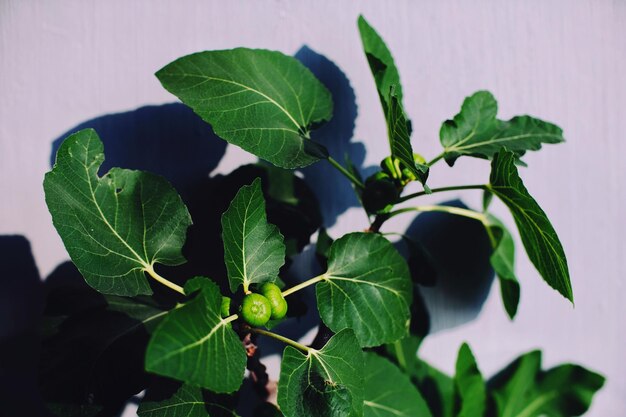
x=65 y=62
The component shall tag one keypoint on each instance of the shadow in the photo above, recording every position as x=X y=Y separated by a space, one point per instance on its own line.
x=459 y=250
x=21 y=305
x=336 y=136
x=170 y=140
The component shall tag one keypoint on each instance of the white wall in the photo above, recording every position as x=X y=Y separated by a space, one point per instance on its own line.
x=64 y=62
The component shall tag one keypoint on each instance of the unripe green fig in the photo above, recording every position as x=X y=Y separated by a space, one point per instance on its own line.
x=391 y=166
x=256 y=309
x=225 y=309
x=273 y=293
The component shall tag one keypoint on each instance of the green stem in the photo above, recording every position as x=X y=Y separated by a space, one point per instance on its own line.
x=230 y=318
x=354 y=180
x=443 y=209
x=282 y=339
x=436 y=159
x=150 y=270
x=438 y=190
x=304 y=284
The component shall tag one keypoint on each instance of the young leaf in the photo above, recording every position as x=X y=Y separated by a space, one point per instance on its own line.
x=538 y=236
x=253 y=249
x=523 y=390
x=184 y=400
x=389 y=392
x=263 y=101
x=367 y=288
x=116 y=226
x=194 y=344
x=381 y=64
x=323 y=383
x=390 y=93
x=503 y=262
x=400 y=138
x=475 y=131
x=469 y=384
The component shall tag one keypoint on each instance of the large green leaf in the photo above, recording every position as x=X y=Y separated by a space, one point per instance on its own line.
x=194 y=344
x=503 y=262
x=476 y=131
x=263 y=101
x=470 y=385
x=389 y=392
x=524 y=390
x=183 y=401
x=323 y=383
x=367 y=288
x=538 y=236
x=253 y=249
x=116 y=226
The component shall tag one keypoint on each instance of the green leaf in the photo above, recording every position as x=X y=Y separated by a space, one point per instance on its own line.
x=470 y=385
x=183 y=401
x=263 y=101
x=381 y=64
x=503 y=262
x=524 y=390
x=399 y=131
x=194 y=344
x=389 y=392
x=116 y=226
x=476 y=131
x=323 y=383
x=404 y=351
x=367 y=288
x=253 y=249
x=538 y=236
x=389 y=89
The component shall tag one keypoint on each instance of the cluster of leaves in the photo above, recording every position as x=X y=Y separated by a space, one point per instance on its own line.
x=122 y=228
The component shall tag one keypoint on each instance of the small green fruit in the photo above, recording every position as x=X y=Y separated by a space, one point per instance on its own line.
x=256 y=309
x=273 y=293
x=225 y=310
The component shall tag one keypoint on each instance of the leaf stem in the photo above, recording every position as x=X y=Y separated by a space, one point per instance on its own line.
x=304 y=284
x=346 y=173
x=150 y=270
x=444 y=209
x=436 y=159
x=438 y=190
x=282 y=339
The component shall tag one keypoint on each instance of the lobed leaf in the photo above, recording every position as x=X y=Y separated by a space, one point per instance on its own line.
x=389 y=392
x=254 y=250
x=116 y=226
x=194 y=344
x=522 y=389
x=476 y=131
x=538 y=236
x=323 y=383
x=262 y=101
x=469 y=384
x=367 y=288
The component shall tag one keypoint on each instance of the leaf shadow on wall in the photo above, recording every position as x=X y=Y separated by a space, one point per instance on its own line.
x=459 y=251
x=328 y=184
x=21 y=305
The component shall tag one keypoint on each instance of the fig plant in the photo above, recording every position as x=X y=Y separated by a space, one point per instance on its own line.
x=123 y=229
